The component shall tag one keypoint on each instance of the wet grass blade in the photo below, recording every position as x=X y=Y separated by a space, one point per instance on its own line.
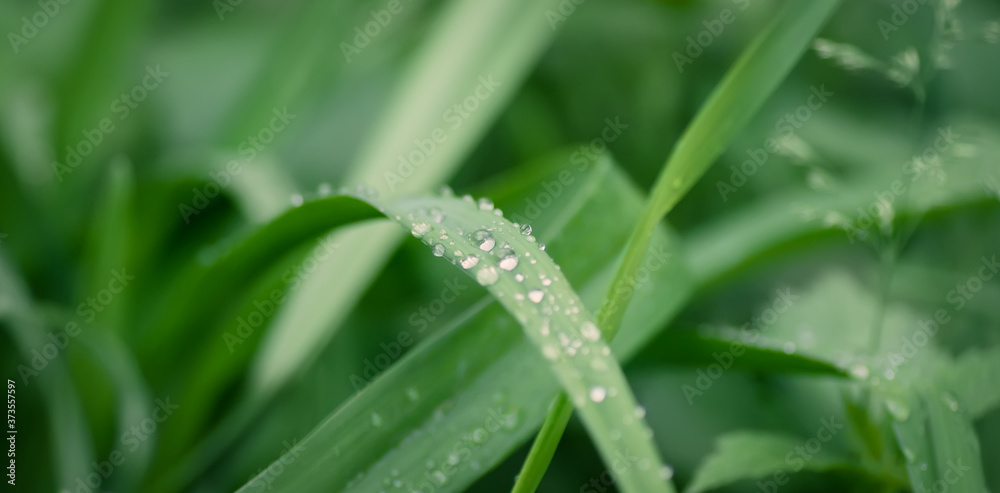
x=747 y=85
x=449 y=386
x=531 y=287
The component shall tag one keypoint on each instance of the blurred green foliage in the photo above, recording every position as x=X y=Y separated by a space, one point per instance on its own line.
x=119 y=121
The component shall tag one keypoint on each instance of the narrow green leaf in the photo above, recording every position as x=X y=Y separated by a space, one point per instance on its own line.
x=955 y=445
x=70 y=442
x=743 y=455
x=973 y=379
x=737 y=98
x=471 y=40
x=494 y=251
x=745 y=88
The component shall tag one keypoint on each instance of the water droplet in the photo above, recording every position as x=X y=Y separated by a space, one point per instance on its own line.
x=366 y=192
x=541 y=246
x=860 y=371
x=536 y=295
x=590 y=331
x=469 y=261
x=640 y=412
x=438 y=250
x=508 y=259
x=376 y=420
x=324 y=189
x=485 y=204
x=297 y=200
x=484 y=240
x=950 y=401
x=420 y=229
x=526 y=229
x=898 y=409
x=789 y=347
x=550 y=351
x=597 y=394
x=487 y=276
x=518 y=277
x=666 y=473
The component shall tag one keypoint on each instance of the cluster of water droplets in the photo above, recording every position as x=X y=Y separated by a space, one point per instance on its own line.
x=496 y=249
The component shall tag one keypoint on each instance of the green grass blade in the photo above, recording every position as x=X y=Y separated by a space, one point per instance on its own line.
x=442 y=391
x=745 y=88
x=134 y=402
x=742 y=92
x=472 y=39
x=493 y=251
x=970 y=378
x=70 y=441
x=743 y=455
x=954 y=443
x=544 y=446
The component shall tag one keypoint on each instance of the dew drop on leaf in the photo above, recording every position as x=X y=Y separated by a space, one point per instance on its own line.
x=536 y=295
x=951 y=401
x=469 y=261
x=297 y=200
x=590 y=331
x=526 y=229
x=508 y=259
x=859 y=371
x=487 y=276
x=898 y=409
x=420 y=229
x=484 y=240
x=485 y=204
x=438 y=250
x=597 y=394
x=551 y=351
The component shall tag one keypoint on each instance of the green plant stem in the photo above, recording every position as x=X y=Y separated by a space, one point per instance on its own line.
x=544 y=446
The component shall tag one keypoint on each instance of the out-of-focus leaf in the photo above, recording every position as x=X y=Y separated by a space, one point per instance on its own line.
x=973 y=379
x=745 y=455
x=71 y=443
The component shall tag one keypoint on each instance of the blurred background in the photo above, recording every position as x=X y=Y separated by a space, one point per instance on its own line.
x=139 y=139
